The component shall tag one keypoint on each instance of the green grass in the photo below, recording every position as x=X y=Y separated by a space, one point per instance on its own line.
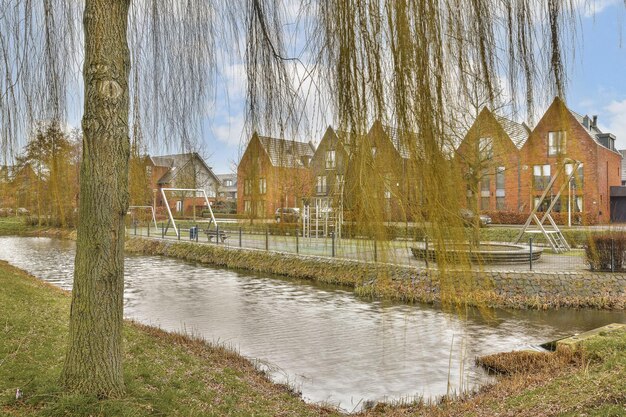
x=165 y=373
x=172 y=374
x=14 y=226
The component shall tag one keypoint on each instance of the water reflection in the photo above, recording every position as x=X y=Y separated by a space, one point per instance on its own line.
x=331 y=345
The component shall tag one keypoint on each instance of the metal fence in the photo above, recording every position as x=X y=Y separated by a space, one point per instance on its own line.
x=398 y=251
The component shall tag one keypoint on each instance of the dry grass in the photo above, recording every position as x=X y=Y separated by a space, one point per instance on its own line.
x=588 y=381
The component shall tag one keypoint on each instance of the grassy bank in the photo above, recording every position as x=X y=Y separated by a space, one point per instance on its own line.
x=15 y=226
x=172 y=374
x=166 y=374
x=397 y=282
x=587 y=381
x=19 y=226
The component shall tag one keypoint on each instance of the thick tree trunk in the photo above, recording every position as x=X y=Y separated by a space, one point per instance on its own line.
x=93 y=363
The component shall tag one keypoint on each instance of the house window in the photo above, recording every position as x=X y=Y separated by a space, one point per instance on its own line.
x=484 y=203
x=557 y=143
x=577 y=204
x=262 y=185
x=577 y=178
x=485 y=185
x=246 y=206
x=500 y=204
x=339 y=182
x=541 y=176
x=330 y=159
x=485 y=148
x=260 y=208
x=321 y=184
x=149 y=171
x=228 y=183
x=500 y=181
x=247 y=187
x=387 y=184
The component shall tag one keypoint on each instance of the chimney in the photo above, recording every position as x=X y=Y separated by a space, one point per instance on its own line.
x=586 y=122
x=306 y=160
x=594 y=122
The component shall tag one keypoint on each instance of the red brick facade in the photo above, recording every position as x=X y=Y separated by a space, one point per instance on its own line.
x=272 y=173
x=561 y=137
x=490 y=165
x=601 y=167
x=505 y=168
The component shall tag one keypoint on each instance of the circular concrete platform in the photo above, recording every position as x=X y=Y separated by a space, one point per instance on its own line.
x=484 y=253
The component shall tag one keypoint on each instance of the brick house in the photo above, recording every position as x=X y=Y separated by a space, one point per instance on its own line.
x=188 y=170
x=228 y=188
x=560 y=136
x=377 y=184
x=328 y=169
x=489 y=159
x=273 y=173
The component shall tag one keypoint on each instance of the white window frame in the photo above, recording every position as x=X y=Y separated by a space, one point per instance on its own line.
x=485 y=148
x=557 y=143
x=331 y=162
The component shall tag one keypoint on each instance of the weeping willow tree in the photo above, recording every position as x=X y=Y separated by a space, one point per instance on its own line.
x=147 y=66
x=52 y=155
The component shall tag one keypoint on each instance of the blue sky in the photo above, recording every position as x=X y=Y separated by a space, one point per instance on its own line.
x=598 y=77
x=597 y=85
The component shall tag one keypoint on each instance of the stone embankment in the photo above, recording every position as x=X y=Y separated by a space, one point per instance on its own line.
x=509 y=289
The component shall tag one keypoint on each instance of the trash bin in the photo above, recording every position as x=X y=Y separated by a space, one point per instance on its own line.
x=193 y=233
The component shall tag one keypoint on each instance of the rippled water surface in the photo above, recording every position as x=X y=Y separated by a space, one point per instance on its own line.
x=331 y=345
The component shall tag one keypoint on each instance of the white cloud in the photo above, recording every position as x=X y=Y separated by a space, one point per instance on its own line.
x=589 y=8
x=615 y=114
x=230 y=130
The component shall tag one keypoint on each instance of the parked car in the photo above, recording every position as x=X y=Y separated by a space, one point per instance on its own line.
x=287 y=215
x=469 y=218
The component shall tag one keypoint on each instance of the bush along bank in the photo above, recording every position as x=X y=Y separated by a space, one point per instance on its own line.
x=507 y=289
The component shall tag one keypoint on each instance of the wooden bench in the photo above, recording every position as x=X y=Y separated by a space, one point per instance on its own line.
x=211 y=233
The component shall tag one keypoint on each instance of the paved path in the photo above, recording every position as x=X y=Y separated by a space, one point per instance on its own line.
x=397 y=252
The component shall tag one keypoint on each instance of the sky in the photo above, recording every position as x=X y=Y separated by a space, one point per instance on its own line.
x=596 y=86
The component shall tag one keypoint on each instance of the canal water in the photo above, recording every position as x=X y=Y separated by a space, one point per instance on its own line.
x=327 y=343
